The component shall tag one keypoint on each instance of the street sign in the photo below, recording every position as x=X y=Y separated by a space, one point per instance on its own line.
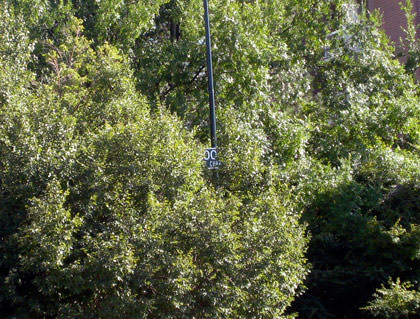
x=210 y=156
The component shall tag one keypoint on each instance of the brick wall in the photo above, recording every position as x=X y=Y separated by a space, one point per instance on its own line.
x=393 y=16
x=394 y=20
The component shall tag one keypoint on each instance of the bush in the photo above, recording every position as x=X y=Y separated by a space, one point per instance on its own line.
x=400 y=300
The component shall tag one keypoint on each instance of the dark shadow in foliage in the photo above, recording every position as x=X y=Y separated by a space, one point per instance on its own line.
x=362 y=234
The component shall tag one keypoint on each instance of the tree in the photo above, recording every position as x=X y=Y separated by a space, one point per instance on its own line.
x=107 y=208
x=107 y=211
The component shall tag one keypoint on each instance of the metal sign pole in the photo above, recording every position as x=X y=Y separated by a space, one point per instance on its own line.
x=210 y=155
x=210 y=77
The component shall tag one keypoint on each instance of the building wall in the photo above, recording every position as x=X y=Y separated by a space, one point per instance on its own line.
x=393 y=17
x=394 y=20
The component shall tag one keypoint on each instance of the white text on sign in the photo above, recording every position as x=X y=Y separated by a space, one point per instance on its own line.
x=210 y=156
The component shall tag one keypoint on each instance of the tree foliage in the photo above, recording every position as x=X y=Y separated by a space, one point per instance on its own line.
x=107 y=210
x=397 y=301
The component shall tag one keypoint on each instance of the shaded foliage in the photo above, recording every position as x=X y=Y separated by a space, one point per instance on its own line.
x=106 y=210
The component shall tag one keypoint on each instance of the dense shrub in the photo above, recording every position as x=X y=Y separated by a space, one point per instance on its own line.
x=105 y=210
